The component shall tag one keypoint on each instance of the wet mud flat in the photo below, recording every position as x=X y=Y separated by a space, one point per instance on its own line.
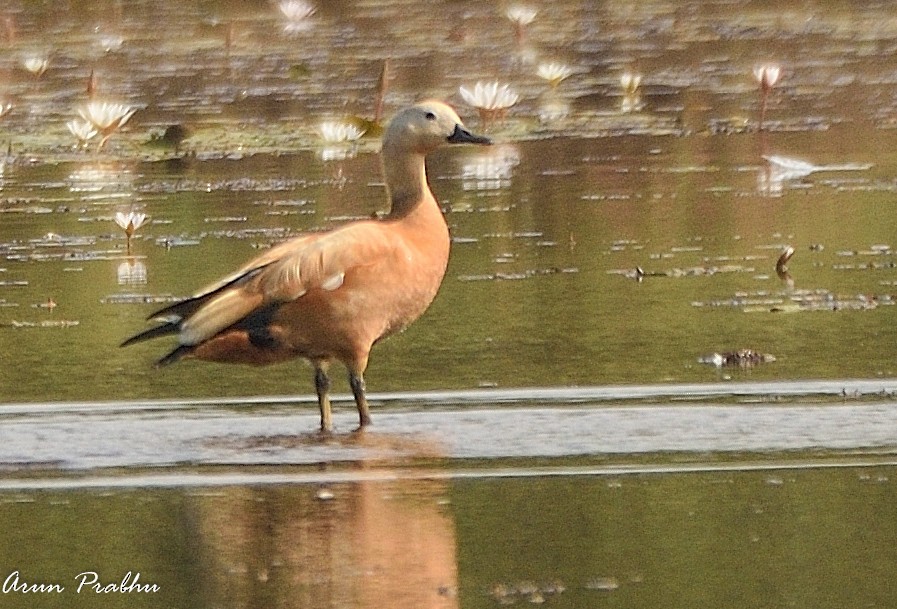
x=453 y=428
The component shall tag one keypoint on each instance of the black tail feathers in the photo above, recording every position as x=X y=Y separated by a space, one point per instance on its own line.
x=162 y=330
x=175 y=355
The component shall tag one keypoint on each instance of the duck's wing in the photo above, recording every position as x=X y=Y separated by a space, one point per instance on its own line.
x=282 y=274
x=270 y=256
x=173 y=314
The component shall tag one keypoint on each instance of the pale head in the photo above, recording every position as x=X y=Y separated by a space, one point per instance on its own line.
x=426 y=126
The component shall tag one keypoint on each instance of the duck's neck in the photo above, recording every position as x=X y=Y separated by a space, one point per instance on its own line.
x=406 y=181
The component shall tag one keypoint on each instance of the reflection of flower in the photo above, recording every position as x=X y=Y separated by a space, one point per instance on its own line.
x=554 y=73
x=132 y=272
x=770 y=182
x=296 y=13
x=337 y=153
x=82 y=130
x=103 y=183
x=553 y=107
x=491 y=100
x=107 y=117
x=630 y=103
x=5 y=108
x=36 y=64
x=491 y=169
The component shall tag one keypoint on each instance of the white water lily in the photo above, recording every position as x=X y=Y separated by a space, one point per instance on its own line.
x=489 y=96
x=36 y=64
x=336 y=133
x=106 y=117
x=337 y=138
x=767 y=75
x=296 y=13
x=296 y=10
x=630 y=82
x=130 y=222
x=554 y=73
x=521 y=15
x=81 y=129
x=491 y=100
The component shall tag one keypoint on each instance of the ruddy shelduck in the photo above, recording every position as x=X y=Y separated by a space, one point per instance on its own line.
x=332 y=295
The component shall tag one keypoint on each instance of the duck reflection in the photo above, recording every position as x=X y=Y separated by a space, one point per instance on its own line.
x=362 y=545
x=491 y=169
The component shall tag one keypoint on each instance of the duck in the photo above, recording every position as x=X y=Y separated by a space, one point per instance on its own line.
x=331 y=296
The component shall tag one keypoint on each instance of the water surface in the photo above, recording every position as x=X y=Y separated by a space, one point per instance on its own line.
x=550 y=224
x=546 y=433
x=776 y=537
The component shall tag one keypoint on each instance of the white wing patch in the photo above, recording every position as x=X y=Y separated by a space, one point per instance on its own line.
x=332 y=283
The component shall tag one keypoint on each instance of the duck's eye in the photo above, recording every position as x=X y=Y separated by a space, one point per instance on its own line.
x=430 y=116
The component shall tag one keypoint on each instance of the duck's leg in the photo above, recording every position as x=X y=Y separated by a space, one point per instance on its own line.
x=322 y=387
x=356 y=381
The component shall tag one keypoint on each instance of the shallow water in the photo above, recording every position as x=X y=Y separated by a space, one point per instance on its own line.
x=548 y=431
x=777 y=537
x=550 y=225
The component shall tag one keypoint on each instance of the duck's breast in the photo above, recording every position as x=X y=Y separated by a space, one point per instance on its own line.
x=374 y=299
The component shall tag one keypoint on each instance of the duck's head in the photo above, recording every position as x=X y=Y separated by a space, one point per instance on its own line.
x=426 y=126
